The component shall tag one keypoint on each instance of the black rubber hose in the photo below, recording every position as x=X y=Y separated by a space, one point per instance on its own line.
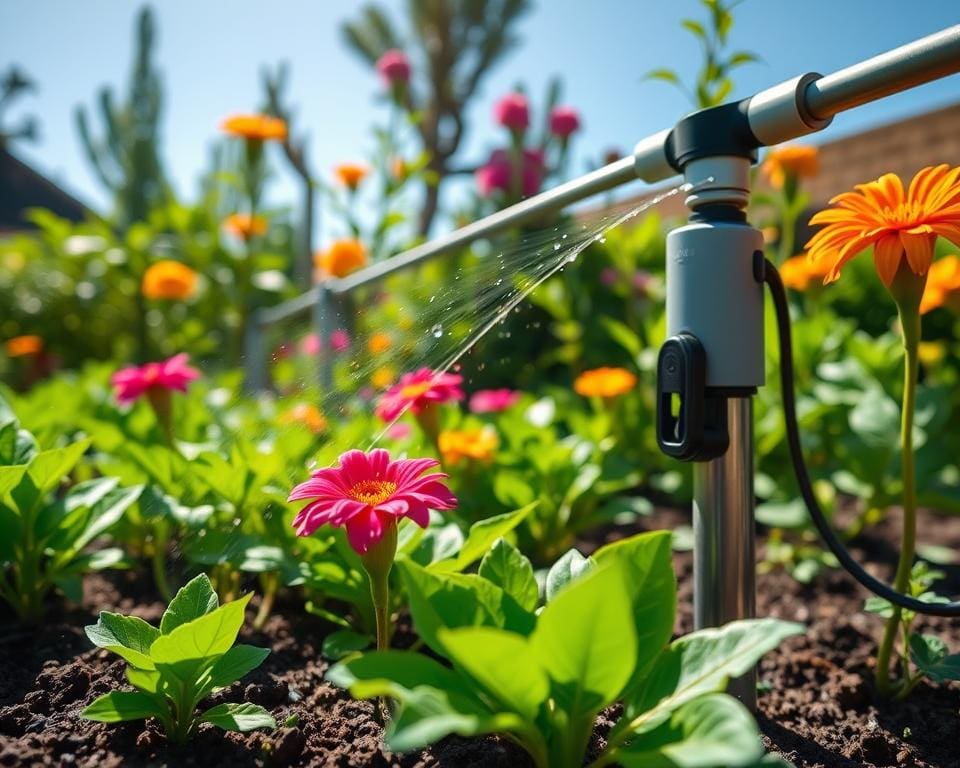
x=772 y=278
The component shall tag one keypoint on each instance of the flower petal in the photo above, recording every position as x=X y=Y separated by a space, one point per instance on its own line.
x=886 y=256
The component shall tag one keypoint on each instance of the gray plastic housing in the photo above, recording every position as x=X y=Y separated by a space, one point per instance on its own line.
x=712 y=294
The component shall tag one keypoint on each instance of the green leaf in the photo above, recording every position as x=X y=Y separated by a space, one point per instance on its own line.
x=118 y=706
x=695 y=27
x=458 y=600
x=145 y=679
x=481 y=536
x=194 y=599
x=567 y=569
x=508 y=568
x=127 y=636
x=586 y=642
x=48 y=468
x=343 y=642
x=876 y=419
x=236 y=663
x=106 y=512
x=647 y=562
x=933 y=658
x=188 y=646
x=390 y=673
x=10 y=478
x=239 y=717
x=504 y=664
x=711 y=730
x=702 y=662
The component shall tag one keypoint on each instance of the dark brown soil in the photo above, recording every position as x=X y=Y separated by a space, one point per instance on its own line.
x=817 y=707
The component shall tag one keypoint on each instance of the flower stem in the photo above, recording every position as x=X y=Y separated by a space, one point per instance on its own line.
x=378 y=561
x=910 y=323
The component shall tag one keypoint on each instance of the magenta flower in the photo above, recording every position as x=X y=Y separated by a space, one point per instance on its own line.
x=399 y=431
x=609 y=277
x=497 y=174
x=415 y=391
x=512 y=112
x=493 y=400
x=394 y=68
x=367 y=493
x=564 y=121
x=339 y=340
x=173 y=374
x=313 y=344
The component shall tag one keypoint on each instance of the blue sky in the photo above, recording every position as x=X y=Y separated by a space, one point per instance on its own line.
x=211 y=53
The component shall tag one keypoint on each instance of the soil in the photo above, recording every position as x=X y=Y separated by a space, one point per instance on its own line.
x=817 y=705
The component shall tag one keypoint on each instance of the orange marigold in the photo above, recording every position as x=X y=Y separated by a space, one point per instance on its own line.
x=943 y=284
x=461 y=445
x=255 y=127
x=169 y=279
x=794 y=161
x=604 y=382
x=899 y=225
x=245 y=226
x=799 y=271
x=351 y=174
x=379 y=342
x=382 y=378
x=23 y=346
x=306 y=415
x=342 y=257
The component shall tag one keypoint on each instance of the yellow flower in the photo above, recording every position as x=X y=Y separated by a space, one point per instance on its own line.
x=23 y=346
x=943 y=283
x=255 y=127
x=379 y=342
x=478 y=444
x=383 y=378
x=351 y=174
x=604 y=382
x=898 y=225
x=305 y=414
x=798 y=272
x=795 y=161
x=169 y=280
x=245 y=226
x=931 y=352
x=342 y=257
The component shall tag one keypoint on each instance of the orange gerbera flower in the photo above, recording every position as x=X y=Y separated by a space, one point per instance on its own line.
x=255 y=127
x=351 y=174
x=943 y=283
x=457 y=446
x=342 y=257
x=895 y=223
x=795 y=161
x=379 y=342
x=23 y=346
x=306 y=415
x=798 y=272
x=169 y=279
x=245 y=226
x=604 y=382
x=382 y=378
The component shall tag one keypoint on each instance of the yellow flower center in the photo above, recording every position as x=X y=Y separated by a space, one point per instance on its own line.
x=373 y=492
x=413 y=391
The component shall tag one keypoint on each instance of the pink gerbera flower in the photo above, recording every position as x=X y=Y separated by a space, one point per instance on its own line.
x=173 y=374
x=493 y=400
x=367 y=493
x=418 y=390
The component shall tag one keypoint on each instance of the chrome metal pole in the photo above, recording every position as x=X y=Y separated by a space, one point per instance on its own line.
x=724 y=562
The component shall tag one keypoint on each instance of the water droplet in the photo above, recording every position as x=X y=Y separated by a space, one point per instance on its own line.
x=556 y=246
x=437 y=331
x=432 y=298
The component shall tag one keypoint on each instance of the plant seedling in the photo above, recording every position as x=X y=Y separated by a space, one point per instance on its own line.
x=175 y=667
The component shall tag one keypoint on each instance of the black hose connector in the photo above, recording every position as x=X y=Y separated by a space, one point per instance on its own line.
x=712 y=132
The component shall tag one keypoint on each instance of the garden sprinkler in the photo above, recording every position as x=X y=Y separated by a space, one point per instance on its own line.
x=713 y=360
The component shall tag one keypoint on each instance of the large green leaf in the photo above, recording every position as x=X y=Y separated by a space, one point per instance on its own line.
x=504 y=664
x=458 y=600
x=934 y=659
x=127 y=636
x=508 y=568
x=565 y=571
x=48 y=468
x=586 y=641
x=647 y=562
x=118 y=706
x=10 y=478
x=700 y=663
x=236 y=663
x=709 y=731
x=194 y=599
x=239 y=717
x=481 y=536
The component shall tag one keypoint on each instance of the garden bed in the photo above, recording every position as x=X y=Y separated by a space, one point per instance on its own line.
x=817 y=706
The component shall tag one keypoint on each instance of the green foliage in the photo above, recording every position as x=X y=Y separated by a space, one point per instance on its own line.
x=45 y=533
x=713 y=84
x=542 y=678
x=176 y=667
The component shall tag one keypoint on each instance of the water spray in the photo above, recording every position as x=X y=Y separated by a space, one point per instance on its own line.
x=713 y=360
